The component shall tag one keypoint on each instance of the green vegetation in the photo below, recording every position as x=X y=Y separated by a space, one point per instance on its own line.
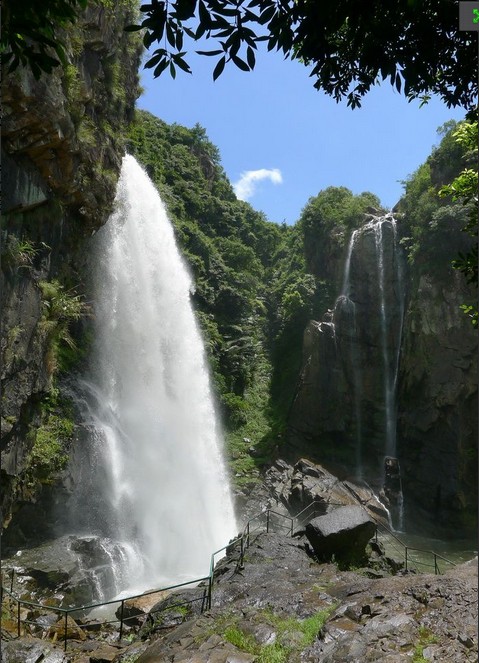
x=292 y=635
x=464 y=189
x=17 y=252
x=431 y=223
x=425 y=638
x=50 y=439
x=60 y=309
x=36 y=39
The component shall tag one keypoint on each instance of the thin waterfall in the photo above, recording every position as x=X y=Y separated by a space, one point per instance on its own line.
x=345 y=301
x=388 y=335
x=155 y=479
x=357 y=313
x=390 y=343
x=389 y=380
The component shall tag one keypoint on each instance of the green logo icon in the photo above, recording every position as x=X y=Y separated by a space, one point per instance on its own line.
x=475 y=18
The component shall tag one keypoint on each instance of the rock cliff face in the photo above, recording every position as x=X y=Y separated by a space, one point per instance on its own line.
x=437 y=418
x=391 y=370
x=61 y=148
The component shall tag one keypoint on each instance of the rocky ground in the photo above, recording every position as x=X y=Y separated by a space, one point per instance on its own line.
x=275 y=604
x=280 y=606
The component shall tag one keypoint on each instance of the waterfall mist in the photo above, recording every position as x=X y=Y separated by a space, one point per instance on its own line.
x=154 y=480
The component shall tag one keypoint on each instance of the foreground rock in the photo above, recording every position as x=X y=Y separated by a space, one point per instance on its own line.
x=279 y=603
x=343 y=533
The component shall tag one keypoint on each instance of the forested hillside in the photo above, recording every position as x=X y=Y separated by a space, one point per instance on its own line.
x=257 y=283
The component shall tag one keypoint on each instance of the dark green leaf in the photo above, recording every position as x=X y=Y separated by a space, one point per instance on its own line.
x=241 y=64
x=267 y=15
x=218 y=70
x=205 y=19
x=160 y=68
x=179 y=39
x=153 y=61
x=182 y=64
x=210 y=52
x=170 y=35
x=398 y=82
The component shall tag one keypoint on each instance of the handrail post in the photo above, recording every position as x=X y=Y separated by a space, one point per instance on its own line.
x=436 y=570
x=247 y=535
x=66 y=630
x=11 y=582
x=292 y=527
x=241 y=550
x=405 y=555
x=210 y=590
x=18 y=618
x=121 y=618
x=267 y=521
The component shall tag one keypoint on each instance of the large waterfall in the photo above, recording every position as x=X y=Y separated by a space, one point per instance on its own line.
x=156 y=484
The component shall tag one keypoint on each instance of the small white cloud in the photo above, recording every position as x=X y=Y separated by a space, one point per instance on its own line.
x=245 y=187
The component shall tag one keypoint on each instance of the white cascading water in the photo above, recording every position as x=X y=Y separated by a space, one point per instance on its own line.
x=390 y=364
x=158 y=484
x=345 y=301
x=391 y=368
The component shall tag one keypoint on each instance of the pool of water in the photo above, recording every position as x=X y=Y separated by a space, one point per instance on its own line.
x=420 y=550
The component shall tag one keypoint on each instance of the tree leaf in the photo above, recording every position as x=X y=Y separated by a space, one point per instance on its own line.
x=152 y=62
x=250 y=57
x=160 y=68
x=219 y=52
x=218 y=70
x=241 y=64
x=170 y=35
x=181 y=63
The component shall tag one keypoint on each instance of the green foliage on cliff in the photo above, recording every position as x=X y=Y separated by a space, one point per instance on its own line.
x=17 y=252
x=60 y=309
x=50 y=439
x=327 y=222
x=464 y=189
x=431 y=225
x=36 y=39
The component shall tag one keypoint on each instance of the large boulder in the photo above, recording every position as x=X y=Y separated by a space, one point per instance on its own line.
x=343 y=533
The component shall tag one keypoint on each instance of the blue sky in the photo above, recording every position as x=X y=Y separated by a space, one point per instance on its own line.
x=272 y=119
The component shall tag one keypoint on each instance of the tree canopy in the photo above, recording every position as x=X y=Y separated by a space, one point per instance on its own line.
x=350 y=45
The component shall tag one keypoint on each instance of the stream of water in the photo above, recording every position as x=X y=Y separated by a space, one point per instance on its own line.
x=154 y=480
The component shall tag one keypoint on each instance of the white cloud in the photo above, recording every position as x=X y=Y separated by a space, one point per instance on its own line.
x=245 y=187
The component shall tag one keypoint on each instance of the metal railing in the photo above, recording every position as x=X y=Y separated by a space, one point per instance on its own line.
x=266 y=520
